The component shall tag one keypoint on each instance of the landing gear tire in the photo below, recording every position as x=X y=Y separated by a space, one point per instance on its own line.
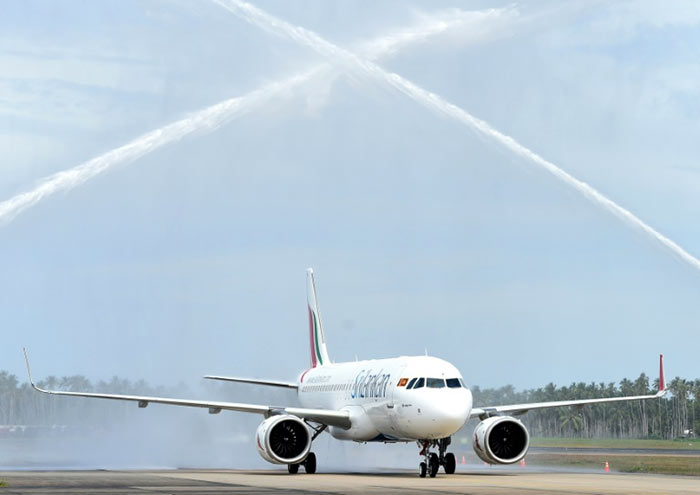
x=434 y=465
x=293 y=468
x=422 y=469
x=310 y=463
x=450 y=463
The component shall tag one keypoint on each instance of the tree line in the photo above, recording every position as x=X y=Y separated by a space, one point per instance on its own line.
x=666 y=418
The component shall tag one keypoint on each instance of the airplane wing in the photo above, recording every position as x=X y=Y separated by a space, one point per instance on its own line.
x=518 y=409
x=254 y=381
x=322 y=416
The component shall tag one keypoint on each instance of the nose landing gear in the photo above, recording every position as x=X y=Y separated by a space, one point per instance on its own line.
x=450 y=464
x=422 y=469
x=433 y=461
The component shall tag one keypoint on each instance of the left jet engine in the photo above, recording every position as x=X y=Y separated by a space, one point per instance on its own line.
x=283 y=439
x=501 y=440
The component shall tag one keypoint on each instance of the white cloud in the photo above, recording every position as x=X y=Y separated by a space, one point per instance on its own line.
x=99 y=69
x=631 y=16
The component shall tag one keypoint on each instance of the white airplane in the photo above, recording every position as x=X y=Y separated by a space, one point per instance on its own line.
x=405 y=399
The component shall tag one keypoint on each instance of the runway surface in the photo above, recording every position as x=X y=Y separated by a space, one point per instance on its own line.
x=208 y=482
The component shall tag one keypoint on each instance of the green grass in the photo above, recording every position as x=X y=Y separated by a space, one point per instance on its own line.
x=660 y=463
x=688 y=465
x=2 y=483
x=611 y=443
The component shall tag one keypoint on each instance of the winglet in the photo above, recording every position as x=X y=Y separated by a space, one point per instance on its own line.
x=29 y=371
x=662 y=383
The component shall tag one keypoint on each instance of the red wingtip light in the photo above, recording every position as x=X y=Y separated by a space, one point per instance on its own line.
x=662 y=383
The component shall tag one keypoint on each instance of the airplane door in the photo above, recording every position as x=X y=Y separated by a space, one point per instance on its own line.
x=392 y=393
x=394 y=401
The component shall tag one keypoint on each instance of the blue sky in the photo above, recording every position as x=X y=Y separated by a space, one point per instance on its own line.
x=190 y=260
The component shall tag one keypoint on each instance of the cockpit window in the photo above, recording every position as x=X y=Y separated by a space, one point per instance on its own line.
x=419 y=383
x=454 y=383
x=436 y=383
x=410 y=384
x=462 y=382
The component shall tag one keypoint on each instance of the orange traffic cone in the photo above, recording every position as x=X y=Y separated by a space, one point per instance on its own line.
x=522 y=462
x=464 y=460
x=607 y=467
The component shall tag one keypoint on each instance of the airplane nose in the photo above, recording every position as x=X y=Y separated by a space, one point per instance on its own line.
x=447 y=412
x=454 y=411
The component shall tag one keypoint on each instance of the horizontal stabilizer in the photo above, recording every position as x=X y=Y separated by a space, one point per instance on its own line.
x=252 y=381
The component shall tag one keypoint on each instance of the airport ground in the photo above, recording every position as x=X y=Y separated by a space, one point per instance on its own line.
x=554 y=466
x=623 y=455
x=624 y=461
x=212 y=482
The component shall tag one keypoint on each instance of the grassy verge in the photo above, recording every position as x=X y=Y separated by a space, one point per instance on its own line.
x=611 y=443
x=644 y=463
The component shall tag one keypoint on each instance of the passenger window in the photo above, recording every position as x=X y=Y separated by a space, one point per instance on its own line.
x=436 y=383
x=453 y=383
x=419 y=383
x=410 y=384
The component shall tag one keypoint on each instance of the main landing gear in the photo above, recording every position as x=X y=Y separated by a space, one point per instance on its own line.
x=309 y=465
x=310 y=462
x=433 y=461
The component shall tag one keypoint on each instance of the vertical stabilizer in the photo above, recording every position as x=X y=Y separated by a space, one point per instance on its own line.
x=319 y=353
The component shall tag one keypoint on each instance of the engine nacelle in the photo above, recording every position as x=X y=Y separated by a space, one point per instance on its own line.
x=501 y=440
x=283 y=439
x=362 y=428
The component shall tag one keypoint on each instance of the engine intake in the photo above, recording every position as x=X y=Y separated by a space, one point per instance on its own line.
x=501 y=440
x=283 y=439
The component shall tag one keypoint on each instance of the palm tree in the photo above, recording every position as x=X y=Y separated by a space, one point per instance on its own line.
x=571 y=418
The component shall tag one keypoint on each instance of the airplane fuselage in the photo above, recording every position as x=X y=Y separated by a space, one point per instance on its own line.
x=398 y=399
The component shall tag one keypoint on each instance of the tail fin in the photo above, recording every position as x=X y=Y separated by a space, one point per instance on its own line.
x=662 y=382
x=319 y=353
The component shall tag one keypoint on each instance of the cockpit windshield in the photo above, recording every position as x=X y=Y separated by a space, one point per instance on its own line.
x=454 y=383
x=435 y=383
